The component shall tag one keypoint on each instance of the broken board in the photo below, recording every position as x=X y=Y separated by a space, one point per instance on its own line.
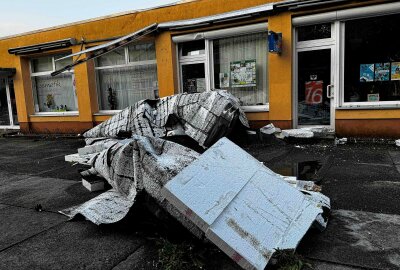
x=243 y=207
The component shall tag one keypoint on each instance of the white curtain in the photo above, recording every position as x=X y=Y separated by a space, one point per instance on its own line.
x=243 y=48
x=54 y=94
x=124 y=86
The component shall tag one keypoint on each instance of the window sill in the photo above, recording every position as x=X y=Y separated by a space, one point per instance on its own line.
x=377 y=106
x=54 y=114
x=256 y=108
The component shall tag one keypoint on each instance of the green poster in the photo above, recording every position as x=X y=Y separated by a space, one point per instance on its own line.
x=243 y=73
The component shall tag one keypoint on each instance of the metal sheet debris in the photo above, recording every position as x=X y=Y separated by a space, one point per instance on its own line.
x=243 y=207
x=205 y=117
x=397 y=143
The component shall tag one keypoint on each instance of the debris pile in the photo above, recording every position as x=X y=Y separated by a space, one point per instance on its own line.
x=224 y=194
x=303 y=133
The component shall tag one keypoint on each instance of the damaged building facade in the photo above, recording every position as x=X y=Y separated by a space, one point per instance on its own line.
x=292 y=63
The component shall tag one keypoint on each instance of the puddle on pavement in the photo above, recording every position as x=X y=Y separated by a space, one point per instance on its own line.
x=305 y=170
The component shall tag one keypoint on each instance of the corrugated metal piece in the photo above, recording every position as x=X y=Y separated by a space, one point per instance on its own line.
x=243 y=207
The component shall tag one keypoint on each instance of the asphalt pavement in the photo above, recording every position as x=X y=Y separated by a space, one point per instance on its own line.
x=362 y=180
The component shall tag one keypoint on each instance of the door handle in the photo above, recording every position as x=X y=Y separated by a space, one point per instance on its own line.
x=329 y=93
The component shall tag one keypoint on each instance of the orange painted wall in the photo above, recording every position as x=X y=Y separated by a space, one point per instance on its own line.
x=105 y=28
x=279 y=68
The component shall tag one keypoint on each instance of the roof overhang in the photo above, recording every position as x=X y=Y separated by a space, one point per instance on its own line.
x=219 y=18
x=42 y=47
x=100 y=50
x=7 y=72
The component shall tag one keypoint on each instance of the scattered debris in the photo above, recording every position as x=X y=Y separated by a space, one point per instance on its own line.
x=229 y=194
x=297 y=133
x=214 y=195
x=306 y=133
x=93 y=184
x=340 y=141
x=398 y=142
x=270 y=129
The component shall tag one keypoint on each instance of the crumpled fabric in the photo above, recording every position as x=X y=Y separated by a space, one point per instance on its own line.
x=205 y=117
x=132 y=166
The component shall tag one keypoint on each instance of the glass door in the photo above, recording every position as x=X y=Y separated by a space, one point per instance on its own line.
x=8 y=110
x=315 y=87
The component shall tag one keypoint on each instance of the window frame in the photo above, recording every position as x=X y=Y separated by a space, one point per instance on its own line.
x=48 y=73
x=339 y=19
x=127 y=64
x=208 y=57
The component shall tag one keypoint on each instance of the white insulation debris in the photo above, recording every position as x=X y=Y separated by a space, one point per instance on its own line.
x=243 y=207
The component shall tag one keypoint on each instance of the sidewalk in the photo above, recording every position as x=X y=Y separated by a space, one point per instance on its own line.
x=361 y=180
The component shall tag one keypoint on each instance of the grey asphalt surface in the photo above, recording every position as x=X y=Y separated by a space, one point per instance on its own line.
x=362 y=181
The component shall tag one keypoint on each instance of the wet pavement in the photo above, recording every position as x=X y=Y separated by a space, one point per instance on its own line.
x=362 y=180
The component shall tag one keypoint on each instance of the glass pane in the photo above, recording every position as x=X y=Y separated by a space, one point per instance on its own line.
x=312 y=32
x=142 y=52
x=62 y=63
x=372 y=60
x=42 y=64
x=54 y=94
x=119 y=88
x=314 y=75
x=193 y=78
x=240 y=66
x=192 y=48
x=113 y=58
x=4 y=112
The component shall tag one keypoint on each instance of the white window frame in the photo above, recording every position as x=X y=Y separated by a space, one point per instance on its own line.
x=127 y=64
x=339 y=18
x=208 y=59
x=48 y=73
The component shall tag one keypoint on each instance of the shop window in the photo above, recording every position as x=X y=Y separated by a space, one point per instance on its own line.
x=313 y=32
x=372 y=60
x=192 y=48
x=240 y=66
x=126 y=76
x=237 y=64
x=52 y=94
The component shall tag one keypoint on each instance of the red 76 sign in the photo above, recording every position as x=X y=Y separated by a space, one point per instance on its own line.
x=314 y=92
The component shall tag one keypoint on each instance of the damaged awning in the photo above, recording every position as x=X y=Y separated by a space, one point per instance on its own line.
x=7 y=72
x=42 y=47
x=106 y=48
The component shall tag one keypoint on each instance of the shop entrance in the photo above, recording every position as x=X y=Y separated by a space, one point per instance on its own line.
x=314 y=87
x=315 y=76
x=8 y=110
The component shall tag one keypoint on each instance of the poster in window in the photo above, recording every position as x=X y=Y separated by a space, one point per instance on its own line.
x=243 y=73
x=367 y=72
x=395 y=74
x=314 y=92
x=382 y=71
x=223 y=80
